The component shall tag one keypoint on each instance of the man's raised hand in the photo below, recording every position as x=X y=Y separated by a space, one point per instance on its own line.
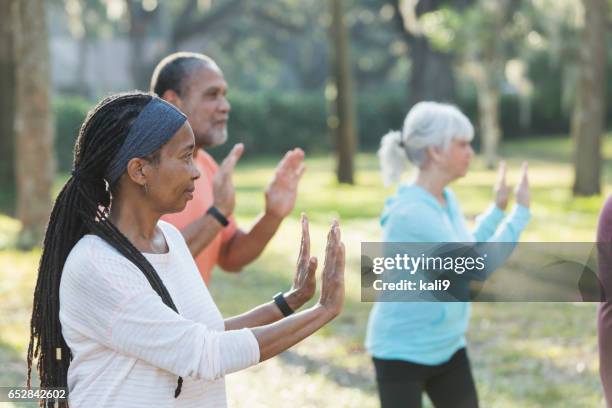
x=281 y=193
x=224 y=194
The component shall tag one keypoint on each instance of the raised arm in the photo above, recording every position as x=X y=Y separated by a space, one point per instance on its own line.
x=202 y=231
x=302 y=290
x=500 y=245
x=244 y=247
x=512 y=226
x=279 y=336
x=110 y=300
x=487 y=222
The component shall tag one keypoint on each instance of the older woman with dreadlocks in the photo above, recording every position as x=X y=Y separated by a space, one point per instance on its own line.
x=121 y=316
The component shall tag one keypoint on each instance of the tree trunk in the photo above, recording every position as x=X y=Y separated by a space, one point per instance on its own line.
x=7 y=108
x=431 y=75
x=345 y=131
x=589 y=107
x=488 y=70
x=35 y=167
x=140 y=20
x=488 y=113
x=82 y=64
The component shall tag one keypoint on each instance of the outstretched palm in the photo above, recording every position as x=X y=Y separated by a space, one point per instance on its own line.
x=523 y=195
x=282 y=190
x=304 y=282
x=502 y=190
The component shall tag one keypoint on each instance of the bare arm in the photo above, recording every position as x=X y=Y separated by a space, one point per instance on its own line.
x=245 y=247
x=302 y=290
x=262 y=314
x=277 y=337
x=200 y=233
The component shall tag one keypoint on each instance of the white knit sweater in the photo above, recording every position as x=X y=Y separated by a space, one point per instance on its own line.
x=128 y=347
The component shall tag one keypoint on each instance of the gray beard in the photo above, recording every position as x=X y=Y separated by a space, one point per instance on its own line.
x=216 y=138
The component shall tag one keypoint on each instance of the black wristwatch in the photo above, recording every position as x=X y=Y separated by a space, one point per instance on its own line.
x=282 y=304
x=214 y=211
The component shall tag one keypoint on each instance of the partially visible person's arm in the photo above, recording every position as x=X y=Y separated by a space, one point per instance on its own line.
x=604 y=312
x=203 y=231
x=508 y=232
x=260 y=315
x=487 y=222
x=244 y=247
x=277 y=337
x=511 y=228
x=200 y=233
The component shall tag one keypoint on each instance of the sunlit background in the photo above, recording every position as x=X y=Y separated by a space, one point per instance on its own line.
x=531 y=75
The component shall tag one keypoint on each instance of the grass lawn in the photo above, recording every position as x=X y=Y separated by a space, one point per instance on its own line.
x=523 y=355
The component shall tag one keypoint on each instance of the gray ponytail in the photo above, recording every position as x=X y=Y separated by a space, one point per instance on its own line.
x=392 y=157
x=427 y=124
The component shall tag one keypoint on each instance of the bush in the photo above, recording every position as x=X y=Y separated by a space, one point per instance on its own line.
x=69 y=115
x=379 y=113
x=270 y=123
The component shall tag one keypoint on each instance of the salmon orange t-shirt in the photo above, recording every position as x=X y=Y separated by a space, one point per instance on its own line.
x=202 y=200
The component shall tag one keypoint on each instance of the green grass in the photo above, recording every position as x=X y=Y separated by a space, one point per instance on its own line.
x=523 y=355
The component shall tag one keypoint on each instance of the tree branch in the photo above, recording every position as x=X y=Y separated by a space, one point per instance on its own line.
x=278 y=22
x=186 y=29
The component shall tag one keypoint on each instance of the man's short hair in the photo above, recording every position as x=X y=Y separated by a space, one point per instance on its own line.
x=173 y=71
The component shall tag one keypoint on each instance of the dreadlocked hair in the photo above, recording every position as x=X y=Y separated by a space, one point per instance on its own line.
x=82 y=207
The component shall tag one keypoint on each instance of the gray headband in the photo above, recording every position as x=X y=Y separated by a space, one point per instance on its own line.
x=153 y=127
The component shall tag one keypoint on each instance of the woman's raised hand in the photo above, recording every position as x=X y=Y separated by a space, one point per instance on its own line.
x=523 y=195
x=332 y=279
x=502 y=190
x=304 y=281
x=274 y=338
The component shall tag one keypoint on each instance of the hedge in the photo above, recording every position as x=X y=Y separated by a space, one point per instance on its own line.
x=272 y=123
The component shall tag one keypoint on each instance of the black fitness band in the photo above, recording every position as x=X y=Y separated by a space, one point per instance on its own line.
x=214 y=211
x=282 y=304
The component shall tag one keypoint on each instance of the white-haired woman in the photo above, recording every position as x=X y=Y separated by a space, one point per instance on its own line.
x=420 y=346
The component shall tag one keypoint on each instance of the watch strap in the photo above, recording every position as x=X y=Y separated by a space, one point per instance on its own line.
x=282 y=304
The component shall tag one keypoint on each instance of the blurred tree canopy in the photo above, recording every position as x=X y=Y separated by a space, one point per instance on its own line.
x=513 y=66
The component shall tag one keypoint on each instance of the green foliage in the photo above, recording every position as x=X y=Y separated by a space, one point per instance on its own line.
x=442 y=27
x=69 y=115
x=276 y=122
x=271 y=123
x=377 y=113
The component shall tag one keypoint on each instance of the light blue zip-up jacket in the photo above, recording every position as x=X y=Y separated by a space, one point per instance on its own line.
x=431 y=332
